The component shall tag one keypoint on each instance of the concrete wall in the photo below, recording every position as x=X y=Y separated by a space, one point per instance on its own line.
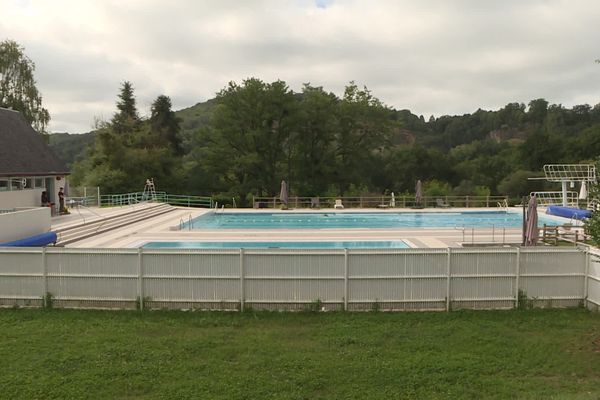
x=25 y=223
x=21 y=198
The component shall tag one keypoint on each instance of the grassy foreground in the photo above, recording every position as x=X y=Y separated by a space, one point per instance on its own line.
x=207 y=355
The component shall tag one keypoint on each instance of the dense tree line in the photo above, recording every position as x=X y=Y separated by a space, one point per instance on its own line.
x=255 y=134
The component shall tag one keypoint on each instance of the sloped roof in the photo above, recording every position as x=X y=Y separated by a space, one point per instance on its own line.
x=23 y=151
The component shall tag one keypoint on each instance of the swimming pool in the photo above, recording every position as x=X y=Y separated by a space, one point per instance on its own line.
x=350 y=220
x=387 y=244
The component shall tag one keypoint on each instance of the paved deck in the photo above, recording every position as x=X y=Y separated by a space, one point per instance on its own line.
x=166 y=228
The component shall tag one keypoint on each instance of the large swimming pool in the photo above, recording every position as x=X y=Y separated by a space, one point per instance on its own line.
x=388 y=244
x=350 y=220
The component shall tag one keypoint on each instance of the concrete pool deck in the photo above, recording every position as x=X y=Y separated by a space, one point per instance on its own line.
x=166 y=228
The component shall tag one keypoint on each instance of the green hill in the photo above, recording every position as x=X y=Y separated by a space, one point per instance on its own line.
x=70 y=147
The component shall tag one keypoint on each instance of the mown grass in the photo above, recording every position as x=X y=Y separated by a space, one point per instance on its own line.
x=62 y=354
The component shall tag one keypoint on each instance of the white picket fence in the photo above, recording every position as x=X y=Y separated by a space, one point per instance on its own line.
x=592 y=285
x=398 y=279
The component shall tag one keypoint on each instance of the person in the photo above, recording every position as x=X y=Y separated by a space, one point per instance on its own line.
x=45 y=199
x=61 y=201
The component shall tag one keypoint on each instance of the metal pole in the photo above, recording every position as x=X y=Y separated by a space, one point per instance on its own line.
x=242 y=294
x=345 y=279
x=98 y=193
x=564 y=194
x=517 y=273
x=448 y=269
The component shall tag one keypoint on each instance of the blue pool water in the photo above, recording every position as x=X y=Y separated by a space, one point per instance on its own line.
x=395 y=244
x=346 y=220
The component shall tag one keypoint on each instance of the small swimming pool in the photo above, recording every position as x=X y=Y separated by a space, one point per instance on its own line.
x=354 y=220
x=388 y=244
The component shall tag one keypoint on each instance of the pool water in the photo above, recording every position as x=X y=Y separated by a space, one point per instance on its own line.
x=394 y=244
x=349 y=220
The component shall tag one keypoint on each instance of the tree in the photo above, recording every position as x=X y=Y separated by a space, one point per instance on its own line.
x=164 y=125
x=538 y=109
x=248 y=144
x=314 y=151
x=126 y=119
x=18 y=86
x=364 y=129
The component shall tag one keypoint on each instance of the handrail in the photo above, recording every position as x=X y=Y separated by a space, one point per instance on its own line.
x=121 y=199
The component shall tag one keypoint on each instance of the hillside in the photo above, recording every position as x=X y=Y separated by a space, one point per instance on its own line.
x=70 y=147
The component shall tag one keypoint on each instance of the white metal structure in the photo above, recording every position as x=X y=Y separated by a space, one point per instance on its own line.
x=569 y=173
x=555 y=198
x=149 y=190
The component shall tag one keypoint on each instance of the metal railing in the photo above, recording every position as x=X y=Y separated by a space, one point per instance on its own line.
x=382 y=201
x=555 y=198
x=122 y=199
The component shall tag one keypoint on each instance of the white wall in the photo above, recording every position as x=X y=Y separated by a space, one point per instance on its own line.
x=21 y=224
x=32 y=197
x=21 y=198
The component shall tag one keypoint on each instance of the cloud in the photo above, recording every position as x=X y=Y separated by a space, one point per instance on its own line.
x=435 y=57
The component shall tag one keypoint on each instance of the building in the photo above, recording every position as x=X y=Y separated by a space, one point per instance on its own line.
x=27 y=165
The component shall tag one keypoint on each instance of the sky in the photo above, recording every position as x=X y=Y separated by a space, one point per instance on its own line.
x=433 y=57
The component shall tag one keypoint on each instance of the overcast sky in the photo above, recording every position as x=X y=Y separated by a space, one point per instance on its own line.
x=432 y=57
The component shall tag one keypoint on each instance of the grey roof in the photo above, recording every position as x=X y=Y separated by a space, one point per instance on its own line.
x=23 y=151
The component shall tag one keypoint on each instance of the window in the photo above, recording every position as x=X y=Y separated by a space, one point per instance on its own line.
x=4 y=185
x=16 y=184
x=40 y=183
x=28 y=183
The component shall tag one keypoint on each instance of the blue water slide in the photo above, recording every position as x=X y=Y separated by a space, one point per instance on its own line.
x=568 y=212
x=41 y=240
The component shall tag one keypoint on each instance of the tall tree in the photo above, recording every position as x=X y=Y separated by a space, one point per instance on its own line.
x=164 y=125
x=18 y=87
x=126 y=120
x=314 y=155
x=249 y=138
x=364 y=127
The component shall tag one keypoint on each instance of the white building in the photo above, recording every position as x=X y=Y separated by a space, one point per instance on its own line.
x=27 y=165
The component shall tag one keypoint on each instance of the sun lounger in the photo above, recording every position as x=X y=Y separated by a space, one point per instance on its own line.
x=441 y=203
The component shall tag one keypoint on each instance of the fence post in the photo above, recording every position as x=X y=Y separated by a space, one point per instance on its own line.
x=98 y=194
x=45 y=277
x=588 y=260
x=242 y=294
x=487 y=201
x=517 y=273
x=345 y=279
x=141 y=279
x=449 y=273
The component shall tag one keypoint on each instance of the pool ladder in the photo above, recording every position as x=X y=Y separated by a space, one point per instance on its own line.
x=182 y=224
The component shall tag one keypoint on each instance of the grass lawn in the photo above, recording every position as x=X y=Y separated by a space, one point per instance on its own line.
x=66 y=354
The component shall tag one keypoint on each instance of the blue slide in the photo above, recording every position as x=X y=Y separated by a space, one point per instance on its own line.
x=568 y=212
x=33 y=241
